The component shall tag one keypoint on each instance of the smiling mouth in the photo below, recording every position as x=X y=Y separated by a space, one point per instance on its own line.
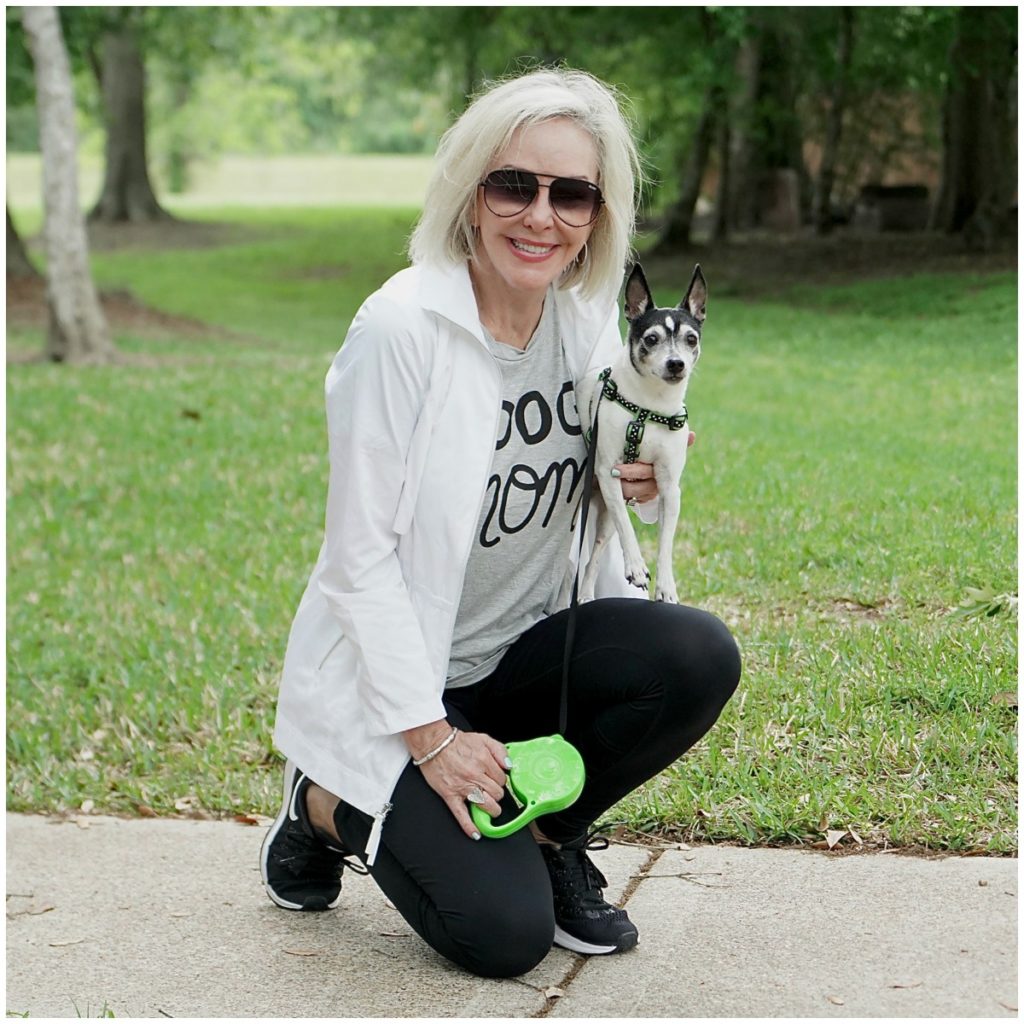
x=531 y=248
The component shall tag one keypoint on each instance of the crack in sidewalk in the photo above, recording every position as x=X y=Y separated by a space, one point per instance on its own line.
x=579 y=960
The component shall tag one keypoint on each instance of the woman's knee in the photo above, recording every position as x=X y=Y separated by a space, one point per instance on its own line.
x=701 y=657
x=507 y=940
x=723 y=655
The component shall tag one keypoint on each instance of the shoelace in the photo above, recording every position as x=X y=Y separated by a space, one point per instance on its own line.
x=307 y=858
x=582 y=874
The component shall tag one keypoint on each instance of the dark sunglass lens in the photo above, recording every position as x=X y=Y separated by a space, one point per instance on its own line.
x=576 y=202
x=508 y=192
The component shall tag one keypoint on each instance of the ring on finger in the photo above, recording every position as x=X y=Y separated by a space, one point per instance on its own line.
x=475 y=795
x=631 y=502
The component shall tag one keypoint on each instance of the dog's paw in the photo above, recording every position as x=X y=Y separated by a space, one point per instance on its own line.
x=666 y=593
x=638 y=576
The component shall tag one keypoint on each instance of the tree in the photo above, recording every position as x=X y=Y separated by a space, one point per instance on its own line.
x=127 y=194
x=979 y=164
x=451 y=48
x=18 y=262
x=768 y=135
x=718 y=49
x=115 y=44
x=822 y=212
x=78 y=329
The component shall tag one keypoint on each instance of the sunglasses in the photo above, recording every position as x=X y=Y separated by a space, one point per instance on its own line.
x=576 y=202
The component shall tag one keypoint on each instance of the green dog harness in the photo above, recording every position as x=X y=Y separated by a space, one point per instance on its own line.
x=635 y=427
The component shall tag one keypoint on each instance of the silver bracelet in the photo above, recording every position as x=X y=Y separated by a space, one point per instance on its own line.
x=437 y=750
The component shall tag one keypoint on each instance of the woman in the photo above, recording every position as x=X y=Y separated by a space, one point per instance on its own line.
x=428 y=635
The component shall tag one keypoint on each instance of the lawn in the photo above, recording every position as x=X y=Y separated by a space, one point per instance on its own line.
x=854 y=478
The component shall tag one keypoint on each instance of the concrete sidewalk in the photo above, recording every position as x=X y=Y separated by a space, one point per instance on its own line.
x=161 y=918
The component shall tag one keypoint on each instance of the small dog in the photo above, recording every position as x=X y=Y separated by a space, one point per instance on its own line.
x=642 y=418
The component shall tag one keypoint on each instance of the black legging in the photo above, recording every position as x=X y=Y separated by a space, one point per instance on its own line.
x=647 y=680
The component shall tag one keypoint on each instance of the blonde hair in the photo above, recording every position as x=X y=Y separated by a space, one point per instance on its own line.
x=445 y=232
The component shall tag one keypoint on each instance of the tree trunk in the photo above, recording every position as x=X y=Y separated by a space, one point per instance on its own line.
x=676 y=234
x=18 y=263
x=78 y=329
x=769 y=181
x=742 y=205
x=720 y=228
x=978 y=172
x=127 y=194
x=473 y=26
x=822 y=212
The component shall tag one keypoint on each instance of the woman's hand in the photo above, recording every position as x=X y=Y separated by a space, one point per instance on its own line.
x=473 y=760
x=637 y=478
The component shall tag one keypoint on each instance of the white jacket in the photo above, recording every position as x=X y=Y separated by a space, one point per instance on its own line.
x=413 y=401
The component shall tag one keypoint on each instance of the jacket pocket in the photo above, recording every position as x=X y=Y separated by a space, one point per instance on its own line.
x=329 y=648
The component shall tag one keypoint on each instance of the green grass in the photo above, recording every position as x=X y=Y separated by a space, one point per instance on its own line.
x=288 y=278
x=854 y=477
x=304 y=180
x=292 y=278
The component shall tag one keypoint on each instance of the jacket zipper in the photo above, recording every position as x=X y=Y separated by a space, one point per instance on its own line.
x=373 y=842
x=378 y=824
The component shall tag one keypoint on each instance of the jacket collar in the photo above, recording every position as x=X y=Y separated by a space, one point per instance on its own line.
x=448 y=291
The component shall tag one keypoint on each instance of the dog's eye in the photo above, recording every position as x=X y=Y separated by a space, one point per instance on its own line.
x=691 y=340
x=651 y=338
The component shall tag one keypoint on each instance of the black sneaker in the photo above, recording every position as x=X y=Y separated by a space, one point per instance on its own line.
x=584 y=921
x=301 y=868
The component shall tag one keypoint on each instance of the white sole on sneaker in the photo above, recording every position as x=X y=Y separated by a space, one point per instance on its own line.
x=567 y=941
x=290 y=771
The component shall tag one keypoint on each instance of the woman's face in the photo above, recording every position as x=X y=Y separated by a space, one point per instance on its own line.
x=523 y=254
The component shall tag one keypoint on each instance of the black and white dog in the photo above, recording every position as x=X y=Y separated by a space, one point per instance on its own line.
x=642 y=418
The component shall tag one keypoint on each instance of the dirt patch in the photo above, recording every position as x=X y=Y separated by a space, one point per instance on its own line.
x=126 y=314
x=171 y=233
x=851 y=608
x=755 y=265
x=682 y=839
x=26 y=308
x=752 y=266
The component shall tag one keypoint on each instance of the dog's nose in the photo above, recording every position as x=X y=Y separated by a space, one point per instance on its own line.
x=675 y=366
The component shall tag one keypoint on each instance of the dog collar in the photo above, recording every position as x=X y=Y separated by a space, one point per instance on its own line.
x=635 y=427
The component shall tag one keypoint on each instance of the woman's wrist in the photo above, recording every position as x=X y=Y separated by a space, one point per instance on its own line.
x=443 y=745
x=422 y=739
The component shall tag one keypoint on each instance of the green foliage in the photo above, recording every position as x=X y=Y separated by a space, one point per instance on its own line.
x=21 y=125
x=304 y=88
x=848 y=486
x=389 y=79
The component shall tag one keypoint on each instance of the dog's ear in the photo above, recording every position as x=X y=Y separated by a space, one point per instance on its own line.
x=638 y=295
x=696 y=299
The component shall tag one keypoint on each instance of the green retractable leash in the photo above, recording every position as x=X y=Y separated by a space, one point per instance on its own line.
x=547 y=773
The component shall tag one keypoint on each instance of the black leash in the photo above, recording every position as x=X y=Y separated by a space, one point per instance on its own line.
x=570 y=627
x=634 y=435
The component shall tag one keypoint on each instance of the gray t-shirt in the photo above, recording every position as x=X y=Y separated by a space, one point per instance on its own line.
x=521 y=549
